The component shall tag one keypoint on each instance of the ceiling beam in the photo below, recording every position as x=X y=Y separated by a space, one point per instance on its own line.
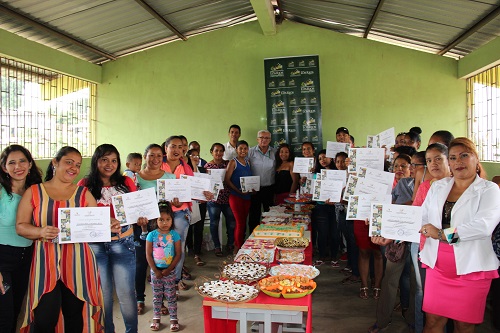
x=374 y=17
x=265 y=14
x=160 y=18
x=485 y=20
x=54 y=32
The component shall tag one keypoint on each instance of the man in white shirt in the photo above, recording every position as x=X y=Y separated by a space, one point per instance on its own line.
x=230 y=147
x=263 y=163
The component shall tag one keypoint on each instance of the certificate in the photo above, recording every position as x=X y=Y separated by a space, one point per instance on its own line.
x=335 y=175
x=367 y=157
x=328 y=189
x=84 y=224
x=217 y=173
x=386 y=138
x=383 y=177
x=359 y=206
x=303 y=165
x=168 y=189
x=352 y=181
x=198 y=185
x=130 y=206
x=332 y=148
x=398 y=222
x=250 y=183
x=372 y=141
x=369 y=186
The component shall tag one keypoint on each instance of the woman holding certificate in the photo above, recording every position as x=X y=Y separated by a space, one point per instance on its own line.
x=18 y=172
x=147 y=178
x=64 y=277
x=238 y=201
x=115 y=259
x=459 y=216
x=182 y=210
x=286 y=181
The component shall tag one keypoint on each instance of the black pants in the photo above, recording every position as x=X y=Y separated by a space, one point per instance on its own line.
x=264 y=198
x=15 y=268
x=195 y=233
x=495 y=302
x=47 y=312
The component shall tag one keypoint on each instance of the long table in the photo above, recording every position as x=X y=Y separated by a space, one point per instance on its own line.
x=222 y=317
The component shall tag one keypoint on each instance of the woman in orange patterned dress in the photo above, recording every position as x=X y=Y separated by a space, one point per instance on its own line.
x=64 y=277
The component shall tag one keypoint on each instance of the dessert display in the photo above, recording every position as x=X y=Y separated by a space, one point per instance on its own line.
x=303 y=198
x=287 y=285
x=291 y=242
x=274 y=231
x=261 y=255
x=244 y=271
x=255 y=243
x=291 y=256
x=227 y=291
x=296 y=270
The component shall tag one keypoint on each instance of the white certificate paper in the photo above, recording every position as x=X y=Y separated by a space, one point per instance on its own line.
x=369 y=186
x=335 y=175
x=332 y=148
x=198 y=186
x=328 y=189
x=359 y=206
x=250 y=183
x=130 y=206
x=372 y=141
x=386 y=138
x=352 y=181
x=217 y=173
x=303 y=165
x=383 y=177
x=398 y=222
x=168 y=189
x=367 y=157
x=84 y=225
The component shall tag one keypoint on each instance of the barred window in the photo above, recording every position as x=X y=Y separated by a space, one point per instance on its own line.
x=483 y=105
x=44 y=110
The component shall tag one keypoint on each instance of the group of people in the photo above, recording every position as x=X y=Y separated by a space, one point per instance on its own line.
x=446 y=276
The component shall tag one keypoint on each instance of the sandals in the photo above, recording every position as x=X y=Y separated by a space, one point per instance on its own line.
x=375 y=329
x=155 y=325
x=363 y=292
x=164 y=309
x=174 y=326
x=318 y=263
x=198 y=261
x=182 y=286
x=218 y=252
x=140 y=308
x=335 y=264
x=376 y=293
x=185 y=274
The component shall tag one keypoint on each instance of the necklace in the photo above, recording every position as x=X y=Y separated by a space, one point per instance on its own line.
x=448 y=206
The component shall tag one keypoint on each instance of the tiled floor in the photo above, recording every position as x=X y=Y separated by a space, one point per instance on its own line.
x=336 y=307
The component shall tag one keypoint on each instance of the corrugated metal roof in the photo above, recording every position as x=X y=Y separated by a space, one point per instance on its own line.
x=115 y=28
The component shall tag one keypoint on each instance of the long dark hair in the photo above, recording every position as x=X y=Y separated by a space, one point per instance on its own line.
x=165 y=207
x=93 y=180
x=291 y=156
x=318 y=166
x=188 y=154
x=49 y=174
x=34 y=175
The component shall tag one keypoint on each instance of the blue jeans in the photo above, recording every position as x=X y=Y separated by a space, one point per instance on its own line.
x=419 y=291
x=181 y=226
x=116 y=263
x=214 y=210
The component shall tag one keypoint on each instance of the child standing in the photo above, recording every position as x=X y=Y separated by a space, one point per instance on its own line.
x=134 y=161
x=163 y=252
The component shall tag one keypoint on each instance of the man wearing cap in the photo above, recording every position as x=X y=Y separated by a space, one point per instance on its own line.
x=343 y=135
x=262 y=161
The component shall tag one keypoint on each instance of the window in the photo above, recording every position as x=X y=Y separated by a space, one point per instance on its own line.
x=483 y=105
x=44 y=110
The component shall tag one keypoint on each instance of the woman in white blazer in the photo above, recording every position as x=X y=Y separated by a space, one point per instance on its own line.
x=459 y=216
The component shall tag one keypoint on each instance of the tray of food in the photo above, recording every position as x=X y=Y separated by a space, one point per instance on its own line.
x=263 y=256
x=287 y=286
x=246 y=272
x=290 y=256
x=291 y=242
x=308 y=271
x=226 y=291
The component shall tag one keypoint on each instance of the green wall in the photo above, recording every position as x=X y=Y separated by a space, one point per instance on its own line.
x=200 y=87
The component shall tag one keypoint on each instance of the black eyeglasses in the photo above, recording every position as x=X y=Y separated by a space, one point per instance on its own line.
x=414 y=165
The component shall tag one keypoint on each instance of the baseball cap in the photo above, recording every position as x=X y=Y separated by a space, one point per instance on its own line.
x=342 y=129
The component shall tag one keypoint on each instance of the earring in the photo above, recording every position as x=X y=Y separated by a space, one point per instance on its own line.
x=54 y=170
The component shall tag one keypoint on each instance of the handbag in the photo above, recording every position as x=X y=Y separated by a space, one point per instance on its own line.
x=396 y=252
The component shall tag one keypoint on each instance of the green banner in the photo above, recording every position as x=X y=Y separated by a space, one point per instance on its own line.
x=293 y=101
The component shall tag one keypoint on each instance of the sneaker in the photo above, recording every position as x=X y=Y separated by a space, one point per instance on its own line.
x=343 y=257
x=335 y=264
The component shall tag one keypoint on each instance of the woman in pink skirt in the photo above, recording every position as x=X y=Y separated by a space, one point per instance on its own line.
x=459 y=216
